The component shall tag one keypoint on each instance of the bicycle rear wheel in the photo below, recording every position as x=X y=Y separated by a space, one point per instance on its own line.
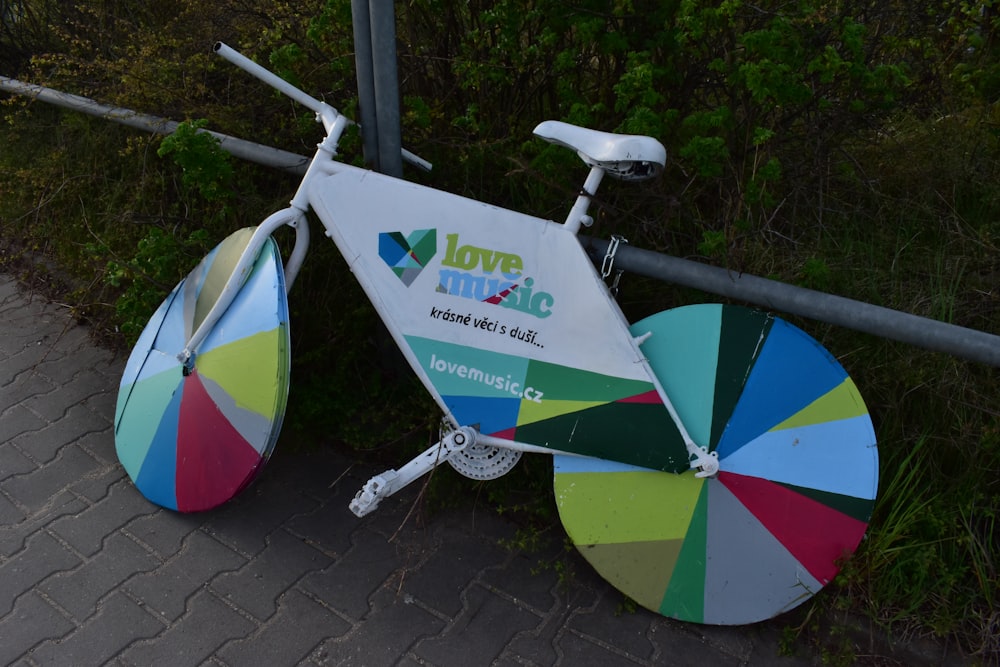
x=192 y=437
x=796 y=487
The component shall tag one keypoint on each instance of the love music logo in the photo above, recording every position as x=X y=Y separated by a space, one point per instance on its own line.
x=471 y=272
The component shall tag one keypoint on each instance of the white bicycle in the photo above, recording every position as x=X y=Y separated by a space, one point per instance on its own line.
x=712 y=462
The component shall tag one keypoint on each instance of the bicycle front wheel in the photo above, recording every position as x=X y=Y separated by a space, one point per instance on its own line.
x=797 y=482
x=193 y=436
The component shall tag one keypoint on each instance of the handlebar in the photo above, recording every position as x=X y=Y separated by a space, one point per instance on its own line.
x=324 y=112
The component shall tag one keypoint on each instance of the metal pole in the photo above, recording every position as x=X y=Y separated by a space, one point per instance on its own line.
x=383 y=41
x=247 y=150
x=365 y=71
x=885 y=322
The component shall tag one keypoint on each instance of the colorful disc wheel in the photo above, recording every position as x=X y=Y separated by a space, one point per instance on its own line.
x=192 y=438
x=797 y=482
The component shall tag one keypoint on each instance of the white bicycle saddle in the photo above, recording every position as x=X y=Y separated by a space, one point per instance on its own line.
x=625 y=156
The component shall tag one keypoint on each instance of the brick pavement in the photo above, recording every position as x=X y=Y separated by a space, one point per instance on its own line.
x=91 y=573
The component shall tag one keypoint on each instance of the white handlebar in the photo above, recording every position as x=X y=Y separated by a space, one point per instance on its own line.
x=324 y=111
x=268 y=77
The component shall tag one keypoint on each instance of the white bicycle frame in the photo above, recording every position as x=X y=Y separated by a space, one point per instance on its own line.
x=488 y=306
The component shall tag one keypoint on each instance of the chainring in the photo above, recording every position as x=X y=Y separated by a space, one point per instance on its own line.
x=482 y=462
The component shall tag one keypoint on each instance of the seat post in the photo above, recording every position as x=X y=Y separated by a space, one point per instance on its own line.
x=578 y=214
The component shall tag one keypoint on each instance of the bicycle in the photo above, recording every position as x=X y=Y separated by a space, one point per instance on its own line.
x=712 y=462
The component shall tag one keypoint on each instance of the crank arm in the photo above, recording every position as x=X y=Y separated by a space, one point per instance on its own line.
x=389 y=482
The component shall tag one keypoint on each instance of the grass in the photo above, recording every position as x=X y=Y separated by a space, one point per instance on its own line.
x=929 y=565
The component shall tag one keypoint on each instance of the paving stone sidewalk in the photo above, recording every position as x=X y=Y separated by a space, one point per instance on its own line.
x=91 y=573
